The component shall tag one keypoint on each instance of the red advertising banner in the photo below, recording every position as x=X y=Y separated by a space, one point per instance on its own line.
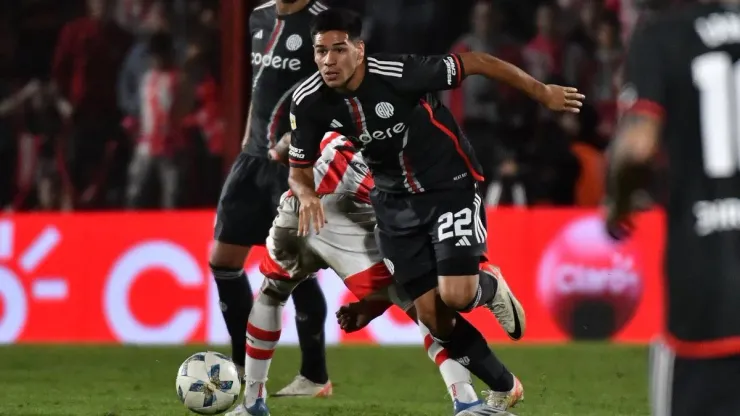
x=143 y=278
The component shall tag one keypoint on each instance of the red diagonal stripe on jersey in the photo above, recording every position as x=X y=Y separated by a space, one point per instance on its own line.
x=409 y=175
x=328 y=139
x=368 y=281
x=367 y=185
x=275 y=32
x=356 y=115
x=335 y=172
x=455 y=141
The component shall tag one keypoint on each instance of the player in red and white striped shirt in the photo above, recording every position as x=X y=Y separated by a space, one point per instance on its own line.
x=347 y=245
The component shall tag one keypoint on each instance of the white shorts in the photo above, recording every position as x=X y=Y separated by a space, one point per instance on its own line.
x=346 y=244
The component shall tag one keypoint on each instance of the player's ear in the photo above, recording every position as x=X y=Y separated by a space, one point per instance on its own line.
x=360 y=51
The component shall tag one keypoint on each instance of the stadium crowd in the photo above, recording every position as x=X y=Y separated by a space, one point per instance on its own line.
x=115 y=103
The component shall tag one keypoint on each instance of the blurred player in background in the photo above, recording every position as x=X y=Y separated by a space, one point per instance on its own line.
x=681 y=93
x=431 y=228
x=346 y=245
x=281 y=57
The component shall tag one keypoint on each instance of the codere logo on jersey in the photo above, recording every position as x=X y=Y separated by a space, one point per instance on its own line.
x=366 y=136
x=276 y=61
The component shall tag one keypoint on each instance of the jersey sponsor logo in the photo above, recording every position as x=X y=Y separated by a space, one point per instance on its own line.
x=366 y=136
x=276 y=62
x=292 y=121
x=384 y=110
x=451 y=69
x=294 y=42
x=296 y=153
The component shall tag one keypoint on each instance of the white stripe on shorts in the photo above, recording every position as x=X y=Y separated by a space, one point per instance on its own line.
x=662 y=360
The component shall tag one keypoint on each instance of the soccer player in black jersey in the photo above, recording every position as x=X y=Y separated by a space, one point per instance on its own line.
x=431 y=228
x=682 y=84
x=281 y=57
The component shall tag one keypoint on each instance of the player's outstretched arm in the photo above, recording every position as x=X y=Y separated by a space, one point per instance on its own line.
x=554 y=97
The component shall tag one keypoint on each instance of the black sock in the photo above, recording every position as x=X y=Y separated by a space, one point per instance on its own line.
x=310 y=316
x=487 y=286
x=236 y=300
x=468 y=347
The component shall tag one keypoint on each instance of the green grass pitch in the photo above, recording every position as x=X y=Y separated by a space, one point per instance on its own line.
x=572 y=380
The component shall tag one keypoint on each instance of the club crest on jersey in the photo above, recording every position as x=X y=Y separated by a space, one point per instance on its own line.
x=294 y=42
x=384 y=110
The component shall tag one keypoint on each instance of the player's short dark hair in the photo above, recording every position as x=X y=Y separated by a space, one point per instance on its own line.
x=339 y=19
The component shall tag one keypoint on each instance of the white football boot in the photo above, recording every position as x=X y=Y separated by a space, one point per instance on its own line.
x=303 y=387
x=503 y=401
x=505 y=306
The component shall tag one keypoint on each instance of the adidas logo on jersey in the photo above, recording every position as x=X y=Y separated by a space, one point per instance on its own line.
x=463 y=241
x=335 y=124
x=259 y=34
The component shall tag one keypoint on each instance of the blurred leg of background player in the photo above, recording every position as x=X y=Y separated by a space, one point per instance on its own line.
x=245 y=211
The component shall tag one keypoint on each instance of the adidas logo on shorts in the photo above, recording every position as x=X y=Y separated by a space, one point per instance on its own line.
x=463 y=241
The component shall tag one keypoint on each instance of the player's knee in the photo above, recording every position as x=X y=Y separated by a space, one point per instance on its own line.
x=228 y=255
x=274 y=292
x=458 y=291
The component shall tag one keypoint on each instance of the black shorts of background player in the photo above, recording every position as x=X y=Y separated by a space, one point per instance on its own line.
x=424 y=170
x=281 y=58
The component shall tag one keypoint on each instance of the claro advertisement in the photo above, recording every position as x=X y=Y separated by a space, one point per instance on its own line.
x=143 y=278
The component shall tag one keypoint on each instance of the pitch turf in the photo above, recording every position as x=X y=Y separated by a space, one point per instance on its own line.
x=574 y=380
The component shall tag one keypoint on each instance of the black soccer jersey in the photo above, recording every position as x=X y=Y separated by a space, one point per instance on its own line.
x=282 y=55
x=409 y=140
x=684 y=67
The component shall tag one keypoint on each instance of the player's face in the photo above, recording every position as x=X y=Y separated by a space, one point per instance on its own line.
x=337 y=57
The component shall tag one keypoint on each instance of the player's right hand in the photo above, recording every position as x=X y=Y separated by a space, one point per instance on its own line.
x=559 y=98
x=310 y=212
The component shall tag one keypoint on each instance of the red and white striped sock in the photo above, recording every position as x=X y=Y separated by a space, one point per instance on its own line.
x=263 y=334
x=456 y=377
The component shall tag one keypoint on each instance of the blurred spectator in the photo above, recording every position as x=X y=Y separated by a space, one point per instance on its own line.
x=478 y=104
x=137 y=61
x=88 y=57
x=578 y=65
x=608 y=57
x=543 y=55
x=158 y=155
x=587 y=147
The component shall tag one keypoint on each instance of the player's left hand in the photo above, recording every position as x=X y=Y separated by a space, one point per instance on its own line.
x=559 y=98
x=357 y=315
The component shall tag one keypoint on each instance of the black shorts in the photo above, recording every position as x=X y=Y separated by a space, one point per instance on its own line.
x=416 y=232
x=691 y=386
x=249 y=200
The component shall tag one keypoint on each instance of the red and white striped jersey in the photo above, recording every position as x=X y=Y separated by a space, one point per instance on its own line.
x=341 y=169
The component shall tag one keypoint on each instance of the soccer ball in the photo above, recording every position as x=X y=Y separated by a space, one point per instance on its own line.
x=208 y=383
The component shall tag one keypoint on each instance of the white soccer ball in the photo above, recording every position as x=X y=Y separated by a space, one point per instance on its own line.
x=208 y=383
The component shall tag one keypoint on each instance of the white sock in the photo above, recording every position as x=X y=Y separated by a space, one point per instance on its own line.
x=456 y=377
x=263 y=334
